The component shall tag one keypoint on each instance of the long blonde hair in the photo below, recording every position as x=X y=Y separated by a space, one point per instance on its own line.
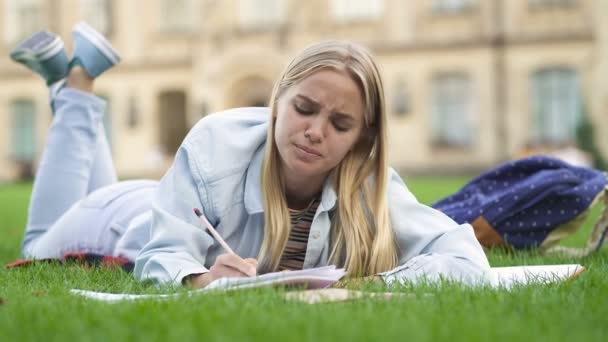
x=361 y=235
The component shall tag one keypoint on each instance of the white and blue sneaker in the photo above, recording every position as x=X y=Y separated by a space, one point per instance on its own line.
x=44 y=53
x=92 y=50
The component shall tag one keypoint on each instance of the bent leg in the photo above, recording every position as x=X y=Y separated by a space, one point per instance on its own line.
x=80 y=229
x=103 y=172
x=65 y=168
x=95 y=223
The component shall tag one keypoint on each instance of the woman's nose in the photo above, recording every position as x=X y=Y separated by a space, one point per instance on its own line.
x=316 y=130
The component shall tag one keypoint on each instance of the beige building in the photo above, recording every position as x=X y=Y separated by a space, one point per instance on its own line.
x=469 y=83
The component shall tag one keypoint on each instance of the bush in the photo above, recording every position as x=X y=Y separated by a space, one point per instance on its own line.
x=585 y=138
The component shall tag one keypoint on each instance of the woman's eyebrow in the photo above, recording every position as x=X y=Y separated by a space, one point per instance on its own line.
x=308 y=99
x=342 y=116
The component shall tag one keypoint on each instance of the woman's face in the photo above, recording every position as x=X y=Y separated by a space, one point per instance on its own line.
x=318 y=121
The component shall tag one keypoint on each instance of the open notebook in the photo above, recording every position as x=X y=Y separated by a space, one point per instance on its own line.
x=323 y=277
x=313 y=278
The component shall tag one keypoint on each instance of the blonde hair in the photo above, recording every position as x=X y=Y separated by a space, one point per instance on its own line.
x=361 y=235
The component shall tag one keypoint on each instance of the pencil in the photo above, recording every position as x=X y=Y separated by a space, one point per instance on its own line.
x=213 y=231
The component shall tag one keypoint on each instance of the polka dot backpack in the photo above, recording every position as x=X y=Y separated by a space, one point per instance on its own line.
x=532 y=203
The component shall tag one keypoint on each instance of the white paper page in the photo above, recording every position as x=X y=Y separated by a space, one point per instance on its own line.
x=540 y=274
x=507 y=277
x=314 y=278
x=118 y=297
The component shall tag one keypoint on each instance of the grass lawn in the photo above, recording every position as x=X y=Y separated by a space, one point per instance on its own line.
x=35 y=303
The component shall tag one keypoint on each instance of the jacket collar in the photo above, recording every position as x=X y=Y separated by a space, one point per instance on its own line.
x=253 y=192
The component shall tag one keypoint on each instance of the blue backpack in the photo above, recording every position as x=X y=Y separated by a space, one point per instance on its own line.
x=531 y=203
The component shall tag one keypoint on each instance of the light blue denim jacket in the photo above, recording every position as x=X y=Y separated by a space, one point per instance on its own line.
x=218 y=168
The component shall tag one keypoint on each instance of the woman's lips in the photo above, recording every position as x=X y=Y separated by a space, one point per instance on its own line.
x=308 y=152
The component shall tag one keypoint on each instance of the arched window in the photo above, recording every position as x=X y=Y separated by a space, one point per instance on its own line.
x=251 y=91
x=555 y=105
x=173 y=123
x=451 y=110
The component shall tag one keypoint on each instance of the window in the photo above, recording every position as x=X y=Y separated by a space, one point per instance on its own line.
x=172 y=119
x=400 y=99
x=23 y=18
x=23 y=130
x=555 y=105
x=451 y=110
x=452 y=6
x=261 y=13
x=98 y=14
x=177 y=16
x=133 y=116
x=356 y=10
x=538 y=4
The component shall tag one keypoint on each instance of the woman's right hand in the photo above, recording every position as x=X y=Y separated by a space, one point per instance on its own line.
x=226 y=265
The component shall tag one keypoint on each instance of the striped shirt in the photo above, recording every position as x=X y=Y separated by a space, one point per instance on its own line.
x=295 y=250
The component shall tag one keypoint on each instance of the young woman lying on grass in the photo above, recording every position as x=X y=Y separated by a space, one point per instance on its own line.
x=301 y=184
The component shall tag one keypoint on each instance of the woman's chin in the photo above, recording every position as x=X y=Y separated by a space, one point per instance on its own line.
x=305 y=169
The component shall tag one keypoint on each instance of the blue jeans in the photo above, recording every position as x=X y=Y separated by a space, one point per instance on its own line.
x=77 y=205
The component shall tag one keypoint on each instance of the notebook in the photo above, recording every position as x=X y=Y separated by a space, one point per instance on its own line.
x=312 y=278
x=324 y=277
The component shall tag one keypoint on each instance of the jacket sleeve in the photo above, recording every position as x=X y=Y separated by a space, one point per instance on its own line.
x=178 y=244
x=431 y=245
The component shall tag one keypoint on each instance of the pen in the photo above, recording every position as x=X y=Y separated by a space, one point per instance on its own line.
x=212 y=231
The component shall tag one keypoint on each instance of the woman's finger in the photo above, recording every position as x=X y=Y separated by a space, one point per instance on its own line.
x=252 y=261
x=227 y=271
x=236 y=262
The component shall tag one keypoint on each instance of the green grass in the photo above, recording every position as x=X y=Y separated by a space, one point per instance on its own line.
x=35 y=303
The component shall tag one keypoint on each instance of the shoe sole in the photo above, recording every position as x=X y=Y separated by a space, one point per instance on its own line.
x=26 y=55
x=98 y=40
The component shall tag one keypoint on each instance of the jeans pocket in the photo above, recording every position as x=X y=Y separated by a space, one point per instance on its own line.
x=118 y=228
x=111 y=236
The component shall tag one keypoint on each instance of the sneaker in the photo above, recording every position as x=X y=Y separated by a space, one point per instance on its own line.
x=92 y=50
x=43 y=53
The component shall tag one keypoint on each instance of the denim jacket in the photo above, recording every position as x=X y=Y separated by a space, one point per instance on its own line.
x=217 y=169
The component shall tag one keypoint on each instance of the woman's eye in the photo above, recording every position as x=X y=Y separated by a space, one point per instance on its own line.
x=301 y=110
x=340 y=128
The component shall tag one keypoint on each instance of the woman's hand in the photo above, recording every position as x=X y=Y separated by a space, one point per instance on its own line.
x=226 y=265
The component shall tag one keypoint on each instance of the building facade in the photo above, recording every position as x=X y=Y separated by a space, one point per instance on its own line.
x=469 y=83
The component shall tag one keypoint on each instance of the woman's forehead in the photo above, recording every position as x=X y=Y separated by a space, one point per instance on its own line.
x=328 y=83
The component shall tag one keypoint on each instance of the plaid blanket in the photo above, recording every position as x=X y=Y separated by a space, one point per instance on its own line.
x=87 y=259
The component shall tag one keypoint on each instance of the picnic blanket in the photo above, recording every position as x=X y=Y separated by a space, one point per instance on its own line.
x=86 y=259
